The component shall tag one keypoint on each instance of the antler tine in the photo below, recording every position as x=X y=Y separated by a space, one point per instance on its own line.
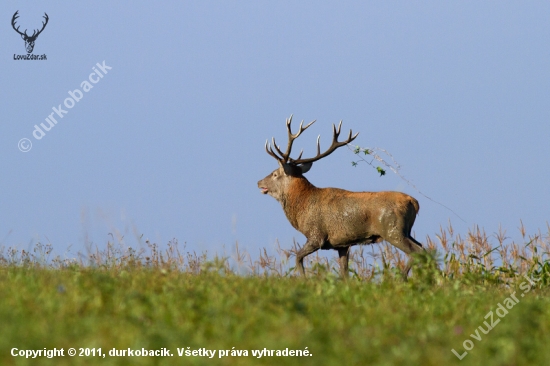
x=309 y=124
x=300 y=129
x=277 y=148
x=318 y=145
x=269 y=150
x=336 y=132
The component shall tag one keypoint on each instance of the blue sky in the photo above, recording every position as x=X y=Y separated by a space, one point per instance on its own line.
x=170 y=142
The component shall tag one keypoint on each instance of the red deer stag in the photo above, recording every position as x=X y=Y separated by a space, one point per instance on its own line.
x=333 y=218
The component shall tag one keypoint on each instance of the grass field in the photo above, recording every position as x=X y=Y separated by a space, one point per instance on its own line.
x=121 y=299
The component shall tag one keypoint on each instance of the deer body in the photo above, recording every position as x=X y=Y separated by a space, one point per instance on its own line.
x=333 y=218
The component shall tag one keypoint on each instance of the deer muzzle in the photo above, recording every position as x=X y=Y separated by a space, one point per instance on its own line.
x=263 y=189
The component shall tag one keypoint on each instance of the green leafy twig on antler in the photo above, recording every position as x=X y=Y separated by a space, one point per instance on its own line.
x=374 y=154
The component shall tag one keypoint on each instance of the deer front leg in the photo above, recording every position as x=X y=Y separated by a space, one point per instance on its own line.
x=309 y=247
x=343 y=253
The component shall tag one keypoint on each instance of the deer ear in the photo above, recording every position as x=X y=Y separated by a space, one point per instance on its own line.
x=306 y=167
x=289 y=169
x=294 y=170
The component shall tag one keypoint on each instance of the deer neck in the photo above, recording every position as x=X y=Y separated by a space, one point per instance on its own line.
x=297 y=199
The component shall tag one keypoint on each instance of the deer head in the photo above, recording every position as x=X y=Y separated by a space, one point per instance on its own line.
x=29 y=40
x=277 y=183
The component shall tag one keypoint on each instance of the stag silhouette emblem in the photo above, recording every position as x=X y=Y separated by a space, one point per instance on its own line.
x=29 y=40
x=333 y=218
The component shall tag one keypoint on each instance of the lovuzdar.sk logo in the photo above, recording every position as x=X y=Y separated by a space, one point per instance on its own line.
x=29 y=40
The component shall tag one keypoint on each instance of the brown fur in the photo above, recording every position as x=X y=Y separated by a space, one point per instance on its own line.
x=333 y=218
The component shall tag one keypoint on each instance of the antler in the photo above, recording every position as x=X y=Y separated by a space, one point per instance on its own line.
x=13 y=19
x=335 y=145
x=34 y=34
x=43 y=25
x=285 y=158
x=291 y=137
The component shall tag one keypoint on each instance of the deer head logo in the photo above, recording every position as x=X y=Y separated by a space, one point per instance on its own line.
x=29 y=40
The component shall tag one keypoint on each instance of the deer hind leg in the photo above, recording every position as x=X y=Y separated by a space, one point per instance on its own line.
x=308 y=248
x=409 y=246
x=417 y=249
x=343 y=253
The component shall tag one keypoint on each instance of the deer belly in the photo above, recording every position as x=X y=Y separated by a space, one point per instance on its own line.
x=351 y=237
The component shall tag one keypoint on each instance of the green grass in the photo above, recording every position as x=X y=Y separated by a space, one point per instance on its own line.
x=122 y=298
x=353 y=323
